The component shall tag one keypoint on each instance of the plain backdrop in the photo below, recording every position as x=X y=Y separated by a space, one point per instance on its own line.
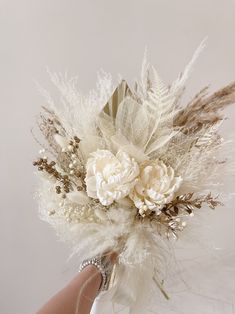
x=82 y=37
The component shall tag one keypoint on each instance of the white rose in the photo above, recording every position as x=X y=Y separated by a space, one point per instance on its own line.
x=156 y=186
x=110 y=178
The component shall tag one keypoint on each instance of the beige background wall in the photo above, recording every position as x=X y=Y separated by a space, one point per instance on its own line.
x=82 y=37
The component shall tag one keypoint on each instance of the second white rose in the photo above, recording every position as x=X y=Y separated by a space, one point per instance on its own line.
x=156 y=186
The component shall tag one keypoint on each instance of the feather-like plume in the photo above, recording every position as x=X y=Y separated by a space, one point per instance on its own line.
x=203 y=109
x=78 y=112
x=178 y=86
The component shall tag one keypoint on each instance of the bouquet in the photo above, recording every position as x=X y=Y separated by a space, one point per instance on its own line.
x=126 y=169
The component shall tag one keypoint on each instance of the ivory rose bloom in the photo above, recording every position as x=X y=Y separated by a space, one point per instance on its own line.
x=110 y=178
x=156 y=186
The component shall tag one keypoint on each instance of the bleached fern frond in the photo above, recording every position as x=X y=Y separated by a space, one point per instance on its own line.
x=208 y=135
x=158 y=103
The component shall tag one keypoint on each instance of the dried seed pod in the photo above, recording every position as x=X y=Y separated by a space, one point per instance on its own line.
x=40 y=161
x=66 y=189
x=76 y=139
x=58 y=189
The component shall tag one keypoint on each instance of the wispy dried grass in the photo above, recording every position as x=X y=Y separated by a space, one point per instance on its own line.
x=205 y=110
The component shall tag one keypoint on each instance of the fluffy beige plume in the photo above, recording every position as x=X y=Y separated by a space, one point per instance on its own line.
x=205 y=110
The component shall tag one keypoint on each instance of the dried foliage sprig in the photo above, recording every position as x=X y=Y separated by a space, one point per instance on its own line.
x=173 y=214
x=187 y=203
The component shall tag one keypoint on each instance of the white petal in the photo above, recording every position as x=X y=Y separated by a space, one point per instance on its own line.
x=91 y=187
